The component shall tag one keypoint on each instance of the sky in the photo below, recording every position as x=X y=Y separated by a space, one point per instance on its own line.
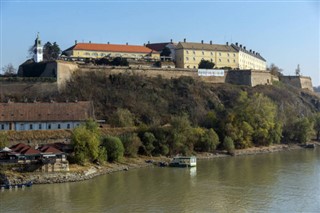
x=286 y=33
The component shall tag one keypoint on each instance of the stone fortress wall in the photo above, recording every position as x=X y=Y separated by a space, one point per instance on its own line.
x=63 y=71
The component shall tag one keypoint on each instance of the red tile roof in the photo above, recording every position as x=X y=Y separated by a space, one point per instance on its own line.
x=50 y=149
x=24 y=149
x=111 y=48
x=78 y=111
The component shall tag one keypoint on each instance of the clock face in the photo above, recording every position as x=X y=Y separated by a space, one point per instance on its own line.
x=39 y=51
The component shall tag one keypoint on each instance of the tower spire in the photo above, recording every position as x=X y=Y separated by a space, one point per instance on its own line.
x=38 y=50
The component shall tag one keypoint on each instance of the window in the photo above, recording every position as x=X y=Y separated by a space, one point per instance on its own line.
x=194 y=58
x=228 y=60
x=2 y=126
x=187 y=52
x=86 y=53
x=211 y=53
x=202 y=53
x=68 y=126
x=211 y=60
x=94 y=54
x=49 y=126
x=40 y=126
x=59 y=126
x=30 y=126
x=234 y=60
x=21 y=126
x=219 y=54
x=234 y=55
x=219 y=60
x=102 y=54
x=194 y=67
x=228 y=54
x=187 y=58
x=194 y=52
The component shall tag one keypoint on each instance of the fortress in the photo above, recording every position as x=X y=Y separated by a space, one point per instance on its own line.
x=63 y=70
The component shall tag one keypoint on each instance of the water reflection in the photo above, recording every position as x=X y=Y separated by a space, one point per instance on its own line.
x=279 y=182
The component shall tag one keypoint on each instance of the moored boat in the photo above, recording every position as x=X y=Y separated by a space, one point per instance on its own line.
x=183 y=161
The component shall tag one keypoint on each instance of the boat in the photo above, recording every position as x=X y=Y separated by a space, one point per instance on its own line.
x=13 y=186
x=183 y=161
x=310 y=146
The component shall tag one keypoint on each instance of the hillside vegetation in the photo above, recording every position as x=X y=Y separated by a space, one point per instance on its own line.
x=185 y=115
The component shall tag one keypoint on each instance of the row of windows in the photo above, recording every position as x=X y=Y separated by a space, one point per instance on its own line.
x=104 y=54
x=228 y=60
x=211 y=53
x=33 y=126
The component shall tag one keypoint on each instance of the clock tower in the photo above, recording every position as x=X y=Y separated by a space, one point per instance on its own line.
x=38 y=50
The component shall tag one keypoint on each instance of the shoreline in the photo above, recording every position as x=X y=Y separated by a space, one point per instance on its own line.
x=81 y=173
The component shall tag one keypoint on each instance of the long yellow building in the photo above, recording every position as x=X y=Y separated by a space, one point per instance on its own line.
x=93 y=50
x=190 y=54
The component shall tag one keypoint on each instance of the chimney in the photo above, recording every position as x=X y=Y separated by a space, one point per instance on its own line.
x=201 y=41
x=148 y=42
x=75 y=42
x=89 y=42
x=127 y=43
x=254 y=52
x=236 y=43
x=108 y=42
x=210 y=42
x=144 y=44
x=244 y=47
x=227 y=43
x=240 y=45
x=171 y=41
x=184 y=40
x=250 y=50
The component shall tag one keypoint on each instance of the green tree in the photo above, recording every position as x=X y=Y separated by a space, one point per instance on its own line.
x=181 y=131
x=208 y=141
x=3 y=140
x=147 y=140
x=302 y=130
x=131 y=143
x=114 y=147
x=122 y=118
x=51 y=51
x=165 y=52
x=118 y=61
x=86 y=143
x=317 y=125
x=228 y=145
x=205 y=64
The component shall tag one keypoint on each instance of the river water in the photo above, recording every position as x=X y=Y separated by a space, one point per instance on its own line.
x=276 y=182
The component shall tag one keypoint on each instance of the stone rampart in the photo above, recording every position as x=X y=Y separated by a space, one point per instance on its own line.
x=302 y=82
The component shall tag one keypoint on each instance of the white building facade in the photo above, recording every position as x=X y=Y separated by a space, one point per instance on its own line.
x=44 y=116
x=38 y=50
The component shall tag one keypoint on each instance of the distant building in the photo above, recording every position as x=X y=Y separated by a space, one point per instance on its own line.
x=38 y=50
x=44 y=116
x=190 y=54
x=160 y=46
x=92 y=50
x=249 y=59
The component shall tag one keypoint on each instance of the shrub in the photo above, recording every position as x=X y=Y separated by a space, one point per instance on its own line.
x=228 y=145
x=122 y=118
x=131 y=143
x=147 y=140
x=114 y=148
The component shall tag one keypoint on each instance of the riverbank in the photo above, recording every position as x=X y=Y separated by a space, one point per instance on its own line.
x=81 y=173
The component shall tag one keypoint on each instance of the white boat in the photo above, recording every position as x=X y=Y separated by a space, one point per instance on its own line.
x=183 y=161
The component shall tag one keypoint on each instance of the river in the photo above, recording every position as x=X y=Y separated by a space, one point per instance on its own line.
x=276 y=182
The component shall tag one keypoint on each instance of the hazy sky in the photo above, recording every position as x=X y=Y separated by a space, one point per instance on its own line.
x=286 y=33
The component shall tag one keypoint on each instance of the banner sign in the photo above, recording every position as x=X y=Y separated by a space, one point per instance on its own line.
x=205 y=72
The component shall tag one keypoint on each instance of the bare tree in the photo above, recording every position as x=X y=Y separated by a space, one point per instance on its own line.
x=9 y=70
x=275 y=70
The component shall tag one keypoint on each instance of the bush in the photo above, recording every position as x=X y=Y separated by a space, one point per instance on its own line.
x=205 y=64
x=147 y=140
x=228 y=145
x=122 y=118
x=114 y=148
x=131 y=143
x=208 y=141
